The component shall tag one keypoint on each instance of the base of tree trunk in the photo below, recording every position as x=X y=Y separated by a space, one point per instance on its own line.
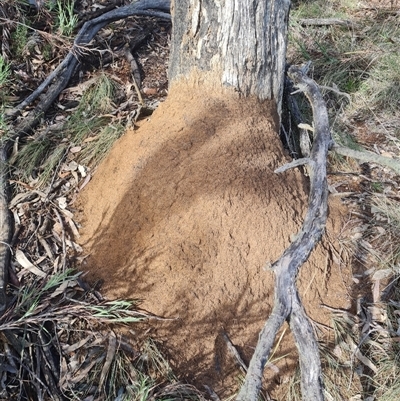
x=184 y=214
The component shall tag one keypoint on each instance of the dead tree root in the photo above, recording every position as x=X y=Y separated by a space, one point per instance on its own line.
x=287 y=303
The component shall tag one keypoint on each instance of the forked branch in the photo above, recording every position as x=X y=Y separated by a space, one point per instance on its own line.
x=287 y=303
x=59 y=78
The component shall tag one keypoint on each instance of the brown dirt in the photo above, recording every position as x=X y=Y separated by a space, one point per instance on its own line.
x=184 y=214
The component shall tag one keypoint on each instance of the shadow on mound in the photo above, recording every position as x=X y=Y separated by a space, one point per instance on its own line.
x=184 y=214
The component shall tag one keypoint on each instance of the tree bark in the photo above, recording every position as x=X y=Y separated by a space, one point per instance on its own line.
x=243 y=42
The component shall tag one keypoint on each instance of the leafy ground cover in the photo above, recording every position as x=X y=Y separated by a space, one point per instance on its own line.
x=58 y=335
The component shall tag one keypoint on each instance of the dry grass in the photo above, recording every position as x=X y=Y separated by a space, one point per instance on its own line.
x=91 y=128
x=360 y=62
x=57 y=343
x=58 y=338
x=358 y=68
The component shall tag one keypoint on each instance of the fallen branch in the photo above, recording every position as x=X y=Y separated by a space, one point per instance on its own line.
x=325 y=22
x=287 y=303
x=6 y=231
x=292 y=164
x=96 y=13
x=58 y=79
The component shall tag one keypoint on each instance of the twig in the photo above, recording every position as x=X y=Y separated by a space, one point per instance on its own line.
x=55 y=83
x=45 y=345
x=39 y=389
x=98 y=12
x=134 y=72
x=213 y=395
x=111 y=350
x=64 y=255
x=293 y=164
x=337 y=91
x=66 y=68
x=6 y=229
x=232 y=349
x=46 y=247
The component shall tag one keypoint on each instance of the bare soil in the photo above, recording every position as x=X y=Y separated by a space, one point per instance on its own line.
x=185 y=214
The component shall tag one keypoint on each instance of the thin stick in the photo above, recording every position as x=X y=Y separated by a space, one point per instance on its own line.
x=366 y=156
x=325 y=22
x=232 y=349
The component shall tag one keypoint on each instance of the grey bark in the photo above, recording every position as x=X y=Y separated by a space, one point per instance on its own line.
x=367 y=156
x=6 y=225
x=243 y=41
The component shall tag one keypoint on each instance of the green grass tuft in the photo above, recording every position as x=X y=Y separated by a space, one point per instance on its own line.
x=4 y=71
x=66 y=18
x=19 y=40
x=381 y=90
x=31 y=156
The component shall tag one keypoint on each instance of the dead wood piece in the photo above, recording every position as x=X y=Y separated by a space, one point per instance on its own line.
x=213 y=395
x=137 y=83
x=325 y=22
x=287 y=303
x=292 y=164
x=61 y=75
x=6 y=231
x=46 y=348
x=111 y=350
x=96 y=13
x=366 y=156
x=297 y=138
x=232 y=349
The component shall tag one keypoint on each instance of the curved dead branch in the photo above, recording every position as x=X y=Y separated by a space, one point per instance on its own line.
x=55 y=83
x=287 y=303
x=58 y=79
x=6 y=230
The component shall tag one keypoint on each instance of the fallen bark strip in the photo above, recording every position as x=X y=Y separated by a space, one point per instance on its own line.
x=287 y=303
x=367 y=156
x=6 y=229
x=55 y=82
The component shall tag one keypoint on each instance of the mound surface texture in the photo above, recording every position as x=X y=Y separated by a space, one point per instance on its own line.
x=186 y=212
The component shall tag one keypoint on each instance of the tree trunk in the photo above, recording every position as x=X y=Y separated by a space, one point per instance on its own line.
x=195 y=209
x=242 y=42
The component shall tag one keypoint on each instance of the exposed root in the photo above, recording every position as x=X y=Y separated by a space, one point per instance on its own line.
x=287 y=304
